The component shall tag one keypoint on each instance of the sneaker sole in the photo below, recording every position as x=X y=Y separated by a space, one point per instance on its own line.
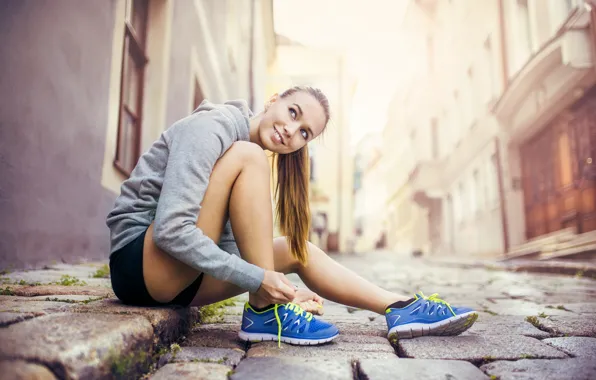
x=451 y=326
x=258 y=337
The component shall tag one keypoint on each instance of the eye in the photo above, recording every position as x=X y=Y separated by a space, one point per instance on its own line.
x=293 y=113
x=304 y=133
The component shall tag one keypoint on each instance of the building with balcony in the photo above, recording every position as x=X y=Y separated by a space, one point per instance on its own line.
x=370 y=222
x=548 y=114
x=450 y=130
x=501 y=119
x=88 y=86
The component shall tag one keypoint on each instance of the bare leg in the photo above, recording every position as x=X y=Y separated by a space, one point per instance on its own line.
x=239 y=183
x=323 y=275
x=337 y=283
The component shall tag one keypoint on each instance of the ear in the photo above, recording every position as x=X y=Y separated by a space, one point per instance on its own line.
x=272 y=100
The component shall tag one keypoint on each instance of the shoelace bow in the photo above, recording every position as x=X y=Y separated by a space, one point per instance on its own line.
x=297 y=310
x=435 y=298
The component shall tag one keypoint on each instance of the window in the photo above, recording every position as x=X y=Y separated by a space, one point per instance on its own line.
x=134 y=61
x=491 y=197
x=570 y=4
x=457 y=117
x=476 y=203
x=524 y=25
x=430 y=54
x=462 y=201
x=491 y=81
x=434 y=133
x=470 y=101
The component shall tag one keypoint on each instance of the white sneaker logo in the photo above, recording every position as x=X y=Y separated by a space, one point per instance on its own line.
x=251 y=323
x=396 y=319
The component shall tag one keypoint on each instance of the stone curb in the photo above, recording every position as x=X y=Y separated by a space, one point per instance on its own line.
x=79 y=332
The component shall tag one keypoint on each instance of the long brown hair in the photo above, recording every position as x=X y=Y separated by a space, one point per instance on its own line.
x=292 y=188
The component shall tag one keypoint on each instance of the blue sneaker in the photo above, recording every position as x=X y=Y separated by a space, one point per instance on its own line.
x=428 y=316
x=287 y=323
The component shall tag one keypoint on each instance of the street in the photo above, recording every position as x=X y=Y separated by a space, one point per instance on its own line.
x=531 y=326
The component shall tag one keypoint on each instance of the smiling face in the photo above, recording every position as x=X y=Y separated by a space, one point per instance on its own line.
x=289 y=123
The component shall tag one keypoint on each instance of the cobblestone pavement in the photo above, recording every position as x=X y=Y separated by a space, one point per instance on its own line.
x=64 y=322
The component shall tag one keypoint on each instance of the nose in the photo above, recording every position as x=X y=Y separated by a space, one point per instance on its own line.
x=289 y=130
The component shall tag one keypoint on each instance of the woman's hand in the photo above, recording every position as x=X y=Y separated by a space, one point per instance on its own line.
x=309 y=301
x=276 y=288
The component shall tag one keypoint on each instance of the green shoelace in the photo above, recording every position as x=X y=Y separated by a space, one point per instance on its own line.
x=297 y=310
x=435 y=298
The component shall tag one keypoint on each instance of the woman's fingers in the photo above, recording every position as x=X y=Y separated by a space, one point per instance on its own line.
x=287 y=289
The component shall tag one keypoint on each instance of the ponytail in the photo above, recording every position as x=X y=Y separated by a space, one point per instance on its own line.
x=291 y=193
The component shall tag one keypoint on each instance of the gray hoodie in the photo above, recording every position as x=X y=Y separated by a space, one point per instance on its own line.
x=168 y=185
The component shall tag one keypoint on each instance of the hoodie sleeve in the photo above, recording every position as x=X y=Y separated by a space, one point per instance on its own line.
x=196 y=143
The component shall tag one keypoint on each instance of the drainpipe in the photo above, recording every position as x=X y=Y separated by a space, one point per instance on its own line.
x=504 y=222
x=505 y=73
x=502 y=35
x=251 y=53
x=340 y=121
x=591 y=7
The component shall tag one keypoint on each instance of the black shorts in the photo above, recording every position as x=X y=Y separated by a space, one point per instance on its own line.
x=126 y=272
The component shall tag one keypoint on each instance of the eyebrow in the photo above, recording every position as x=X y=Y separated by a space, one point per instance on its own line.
x=302 y=114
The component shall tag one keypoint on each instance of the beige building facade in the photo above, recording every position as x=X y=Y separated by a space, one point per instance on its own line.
x=547 y=114
x=331 y=166
x=500 y=124
x=370 y=224
x=88 y=86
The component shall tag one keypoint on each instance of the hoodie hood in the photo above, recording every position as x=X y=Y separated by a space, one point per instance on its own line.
x=236 y=110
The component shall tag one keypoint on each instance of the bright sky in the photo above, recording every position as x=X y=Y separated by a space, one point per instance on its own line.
x=368 y=33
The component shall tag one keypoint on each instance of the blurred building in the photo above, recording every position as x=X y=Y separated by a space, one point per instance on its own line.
x=370 y=225
x=331 y=166
x=88 y=86
x=500 y=122
x=406 y=221
x=547 y=114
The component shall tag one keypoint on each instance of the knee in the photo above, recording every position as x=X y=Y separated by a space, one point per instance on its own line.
x=248 y=153
x=282 y=247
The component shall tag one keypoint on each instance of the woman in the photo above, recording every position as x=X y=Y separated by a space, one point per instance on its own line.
x=171 y=227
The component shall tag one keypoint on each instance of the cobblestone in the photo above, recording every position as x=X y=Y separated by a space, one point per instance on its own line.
x=406 y=369
x=292 y=369
x=575 y=346
x=477 y=348
x=58 y=331
x=22 y=370
x=576 y=369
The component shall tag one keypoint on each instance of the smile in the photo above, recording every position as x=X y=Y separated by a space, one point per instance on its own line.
x=277 y=136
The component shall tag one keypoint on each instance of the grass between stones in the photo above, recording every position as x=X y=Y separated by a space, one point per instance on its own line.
x=67 y=280
x=7 y=291
x=535 y=321
x=6 y=281
x=56 y=299
x=103 y=272
x=125 y=366
x=214 y=313
x=219 y=361
x=559 y=307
